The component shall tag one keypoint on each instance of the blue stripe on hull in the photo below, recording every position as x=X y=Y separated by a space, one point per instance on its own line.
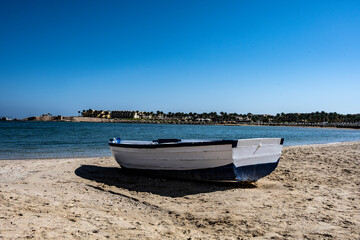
x=224 y=173
x=254 y=172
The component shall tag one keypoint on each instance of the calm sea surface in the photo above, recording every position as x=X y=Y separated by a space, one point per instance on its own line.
x=21 y=140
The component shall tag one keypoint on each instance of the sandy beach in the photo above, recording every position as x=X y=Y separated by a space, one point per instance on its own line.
x=313 y=194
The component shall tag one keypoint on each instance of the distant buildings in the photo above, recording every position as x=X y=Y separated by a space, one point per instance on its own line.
x=6 y=119
x=226 y=118
x=96 y=113
x=317 y=119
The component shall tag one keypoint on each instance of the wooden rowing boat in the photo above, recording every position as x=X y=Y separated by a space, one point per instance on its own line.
x=209 y=160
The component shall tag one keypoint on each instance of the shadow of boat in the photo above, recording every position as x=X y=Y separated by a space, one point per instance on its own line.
x=115 y=176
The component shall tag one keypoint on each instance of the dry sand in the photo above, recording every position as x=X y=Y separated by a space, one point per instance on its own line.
x=313 y=194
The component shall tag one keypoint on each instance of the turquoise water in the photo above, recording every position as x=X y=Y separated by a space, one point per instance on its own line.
x=22 y=140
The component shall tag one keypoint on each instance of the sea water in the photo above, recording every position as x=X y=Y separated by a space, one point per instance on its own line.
x=26 y=140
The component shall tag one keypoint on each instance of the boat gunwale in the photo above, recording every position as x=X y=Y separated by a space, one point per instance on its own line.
x=176 y=144
x=181 y=144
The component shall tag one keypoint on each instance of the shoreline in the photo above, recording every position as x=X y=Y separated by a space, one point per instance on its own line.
x=312 y=194
x=105 y=120
x=105 y=156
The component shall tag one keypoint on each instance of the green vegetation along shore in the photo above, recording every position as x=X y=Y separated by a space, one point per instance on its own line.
x=314 y=119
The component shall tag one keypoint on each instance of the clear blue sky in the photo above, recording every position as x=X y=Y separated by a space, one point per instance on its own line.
x=189 y=56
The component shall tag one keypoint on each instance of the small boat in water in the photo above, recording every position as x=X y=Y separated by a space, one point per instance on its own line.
x=209 y=160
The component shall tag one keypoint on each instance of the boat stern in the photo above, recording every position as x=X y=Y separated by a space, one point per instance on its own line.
x=256 y=158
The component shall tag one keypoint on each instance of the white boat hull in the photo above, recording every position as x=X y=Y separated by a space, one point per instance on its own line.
x=224 y=160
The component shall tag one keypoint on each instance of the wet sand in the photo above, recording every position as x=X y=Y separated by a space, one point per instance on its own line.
x=313 y=194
